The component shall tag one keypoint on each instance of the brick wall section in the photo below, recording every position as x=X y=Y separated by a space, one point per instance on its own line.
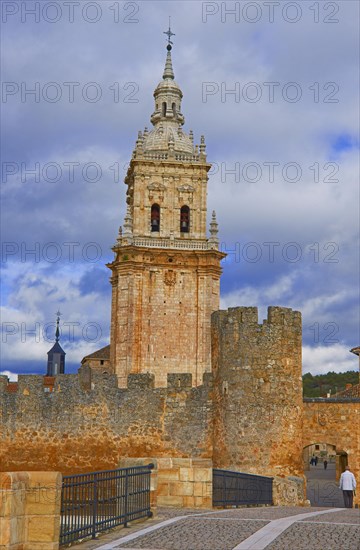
x=87 y=423
x=30 y=510
x=336 y=423
x=258 y=403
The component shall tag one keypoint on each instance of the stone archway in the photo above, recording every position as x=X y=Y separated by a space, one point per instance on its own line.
x=336 y=422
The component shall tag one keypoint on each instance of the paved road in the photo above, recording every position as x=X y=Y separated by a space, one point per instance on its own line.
x=270 y=528
x=322 y=489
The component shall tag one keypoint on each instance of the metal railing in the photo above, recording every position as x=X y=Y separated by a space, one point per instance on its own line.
x=98 y=501
x=237 y=489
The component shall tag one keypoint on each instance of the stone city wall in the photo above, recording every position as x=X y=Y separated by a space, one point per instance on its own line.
x=87 y=423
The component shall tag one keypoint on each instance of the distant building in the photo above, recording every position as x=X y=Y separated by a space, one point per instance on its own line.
x=99 y=361
x=349 y=392
x=56 y=356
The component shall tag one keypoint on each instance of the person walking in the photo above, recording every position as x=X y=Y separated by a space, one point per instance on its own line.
x=325 y=464
x=348 y=486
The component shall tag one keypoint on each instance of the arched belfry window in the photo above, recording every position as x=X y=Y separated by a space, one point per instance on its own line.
x=155 y=217
x=184 y=219
x=164 y=109
x=174 y=109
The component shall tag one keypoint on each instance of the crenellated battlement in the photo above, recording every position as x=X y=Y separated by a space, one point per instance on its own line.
x=280 y=316
x=87 y=380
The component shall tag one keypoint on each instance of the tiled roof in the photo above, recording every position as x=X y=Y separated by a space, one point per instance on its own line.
x=49 y=382
x=354 y=391
x=12 y=387
x=103 y=353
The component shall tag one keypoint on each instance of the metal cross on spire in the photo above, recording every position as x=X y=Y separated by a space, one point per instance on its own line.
x=169 y=33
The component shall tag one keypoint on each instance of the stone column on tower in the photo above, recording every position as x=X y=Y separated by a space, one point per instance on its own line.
x=166 y=271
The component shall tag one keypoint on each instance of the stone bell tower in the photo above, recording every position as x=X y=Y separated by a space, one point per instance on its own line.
x=166 y=271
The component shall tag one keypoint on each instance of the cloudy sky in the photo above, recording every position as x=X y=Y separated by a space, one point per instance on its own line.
x=273 y=86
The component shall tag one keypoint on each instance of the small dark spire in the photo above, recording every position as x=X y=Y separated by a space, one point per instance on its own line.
x=56 y=356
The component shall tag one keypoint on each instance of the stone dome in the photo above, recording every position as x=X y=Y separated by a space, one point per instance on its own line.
x=167 y=135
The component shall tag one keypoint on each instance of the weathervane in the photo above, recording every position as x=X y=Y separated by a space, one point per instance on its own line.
x=169 y=34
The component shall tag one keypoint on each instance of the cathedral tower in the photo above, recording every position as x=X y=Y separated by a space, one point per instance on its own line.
x=166 y=271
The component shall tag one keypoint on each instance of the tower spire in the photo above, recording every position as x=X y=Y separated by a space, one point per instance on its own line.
x=168 y=71
x=167 y=115
x=56 y=356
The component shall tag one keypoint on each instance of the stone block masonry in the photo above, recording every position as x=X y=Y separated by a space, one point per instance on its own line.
x=178 y=482
x=30 y=510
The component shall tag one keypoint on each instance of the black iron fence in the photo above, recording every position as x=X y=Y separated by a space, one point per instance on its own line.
x=236 y=489
x=98 y=501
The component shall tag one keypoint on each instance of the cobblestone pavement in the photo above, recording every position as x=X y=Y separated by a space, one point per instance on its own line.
x=345 y=516
x=268 y=513
x=120 y=532
x=198 y=534
x=308 y=536
x=187 y=529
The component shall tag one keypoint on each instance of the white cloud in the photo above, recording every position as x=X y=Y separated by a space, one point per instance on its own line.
x=306 y=212
x=11 y=375
x=323 y=359
x=28 y=324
